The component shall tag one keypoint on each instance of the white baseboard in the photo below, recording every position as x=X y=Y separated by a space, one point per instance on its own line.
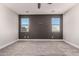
x=40 y=39
x=71 y=44
x=8 y=44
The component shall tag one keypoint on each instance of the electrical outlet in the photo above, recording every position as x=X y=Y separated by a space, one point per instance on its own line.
x=24 y=36
x=27 y=36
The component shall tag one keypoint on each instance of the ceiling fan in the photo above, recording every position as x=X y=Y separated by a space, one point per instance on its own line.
x=39 y=5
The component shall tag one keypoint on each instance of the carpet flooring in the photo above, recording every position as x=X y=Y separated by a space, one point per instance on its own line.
x=42 y=48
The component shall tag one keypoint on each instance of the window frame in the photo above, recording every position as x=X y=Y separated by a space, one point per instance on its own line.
x=23 y=24
x=52 y=19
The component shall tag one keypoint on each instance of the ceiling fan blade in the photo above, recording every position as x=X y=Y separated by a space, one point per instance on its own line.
x=39 y=5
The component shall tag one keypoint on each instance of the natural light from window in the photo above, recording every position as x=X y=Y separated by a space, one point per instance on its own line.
x=55 y=24
x=24 y=24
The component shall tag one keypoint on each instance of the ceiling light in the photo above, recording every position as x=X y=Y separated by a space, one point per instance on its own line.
x=49 y=3
x=27 y=11
x=53 y=11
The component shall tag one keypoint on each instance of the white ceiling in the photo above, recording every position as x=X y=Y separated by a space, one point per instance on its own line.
x=32 y=8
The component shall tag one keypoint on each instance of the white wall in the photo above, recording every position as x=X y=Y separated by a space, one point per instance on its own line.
x=8 y=26
x=71 y=25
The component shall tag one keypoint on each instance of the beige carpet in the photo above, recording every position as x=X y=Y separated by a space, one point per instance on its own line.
x=39 y=49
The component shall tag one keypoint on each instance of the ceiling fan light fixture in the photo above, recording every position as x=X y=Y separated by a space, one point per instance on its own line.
x=39 y=5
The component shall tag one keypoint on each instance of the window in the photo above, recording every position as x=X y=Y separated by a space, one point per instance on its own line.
x=55 y=24
x=24 y=24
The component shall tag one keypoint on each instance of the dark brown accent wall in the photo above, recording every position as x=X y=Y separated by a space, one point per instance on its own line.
x=40 y=27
